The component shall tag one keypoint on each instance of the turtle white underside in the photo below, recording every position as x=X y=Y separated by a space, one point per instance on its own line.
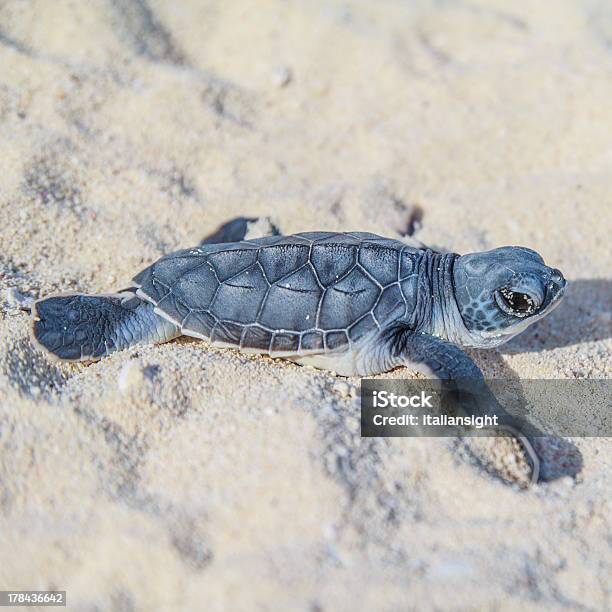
x=368 y=356
x=345 y=361
x=359 y=362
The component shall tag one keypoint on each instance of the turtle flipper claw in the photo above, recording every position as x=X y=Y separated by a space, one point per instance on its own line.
x=529 y=450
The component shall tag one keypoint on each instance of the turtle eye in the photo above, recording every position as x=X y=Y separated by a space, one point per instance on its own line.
x=515 y=302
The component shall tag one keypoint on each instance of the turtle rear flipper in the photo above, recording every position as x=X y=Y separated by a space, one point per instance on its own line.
x=79 y=327
x=242 y=228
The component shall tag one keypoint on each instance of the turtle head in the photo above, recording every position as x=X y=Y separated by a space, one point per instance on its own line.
x=501 y=292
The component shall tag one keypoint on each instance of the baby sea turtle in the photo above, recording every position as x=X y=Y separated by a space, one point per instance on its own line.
x=353 y=302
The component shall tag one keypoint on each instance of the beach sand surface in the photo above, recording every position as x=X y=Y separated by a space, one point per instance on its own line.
x=180 y=477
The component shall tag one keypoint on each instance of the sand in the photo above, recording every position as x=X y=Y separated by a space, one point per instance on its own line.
x=184 y=478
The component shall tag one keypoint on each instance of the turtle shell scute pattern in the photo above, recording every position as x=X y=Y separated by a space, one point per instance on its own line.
x=291 y=295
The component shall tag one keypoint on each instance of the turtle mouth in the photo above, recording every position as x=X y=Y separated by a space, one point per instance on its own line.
x=515 y=303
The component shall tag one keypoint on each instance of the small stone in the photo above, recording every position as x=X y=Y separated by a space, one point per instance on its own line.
x=281 y=77
x=131 y=377
x=342 y=389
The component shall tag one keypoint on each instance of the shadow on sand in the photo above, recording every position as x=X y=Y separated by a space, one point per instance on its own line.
x=558 y=456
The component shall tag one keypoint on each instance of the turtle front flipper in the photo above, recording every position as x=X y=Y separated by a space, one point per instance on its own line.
x=440 y=359
x=79 y=327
